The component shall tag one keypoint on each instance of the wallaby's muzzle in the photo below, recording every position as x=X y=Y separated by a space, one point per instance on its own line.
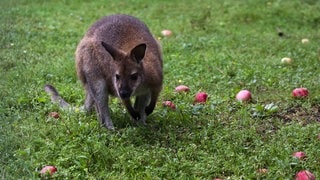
x=124 y=93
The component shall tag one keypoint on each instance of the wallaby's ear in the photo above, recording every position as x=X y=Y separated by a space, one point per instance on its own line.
x=112 y=51
x=138 y=52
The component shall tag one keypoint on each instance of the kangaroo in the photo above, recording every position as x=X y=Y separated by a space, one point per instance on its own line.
x=118 y=56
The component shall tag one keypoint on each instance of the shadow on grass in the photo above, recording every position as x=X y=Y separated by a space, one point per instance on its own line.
x=162 y=129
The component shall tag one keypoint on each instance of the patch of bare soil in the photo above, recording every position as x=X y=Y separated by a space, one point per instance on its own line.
x=302 y=114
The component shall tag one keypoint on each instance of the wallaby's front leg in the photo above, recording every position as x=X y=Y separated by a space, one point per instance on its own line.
x=153 y=101
x=140 y=105
x=99 y=93
x=134 y=114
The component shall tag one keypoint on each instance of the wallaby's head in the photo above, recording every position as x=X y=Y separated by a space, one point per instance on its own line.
x=127 y=69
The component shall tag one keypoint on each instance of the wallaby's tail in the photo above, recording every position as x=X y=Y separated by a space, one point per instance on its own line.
x=55 y=97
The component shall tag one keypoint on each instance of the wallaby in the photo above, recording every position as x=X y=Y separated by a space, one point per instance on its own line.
x=118 y=56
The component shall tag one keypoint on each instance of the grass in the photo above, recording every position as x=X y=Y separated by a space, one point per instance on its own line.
x=218 y=47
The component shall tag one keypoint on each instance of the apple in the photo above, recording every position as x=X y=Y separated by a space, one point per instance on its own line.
x=305 y=41
x=201 y=97
x=305 y=175
x=54 y=115
x=169 y=104
x=48 y=170
x=300 y=92
x=182 y=88
x=299 y=155
x=244 y=95
x=166 y=32
x=286 y=60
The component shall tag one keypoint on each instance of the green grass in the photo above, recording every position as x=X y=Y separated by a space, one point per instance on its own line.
x=219 y=47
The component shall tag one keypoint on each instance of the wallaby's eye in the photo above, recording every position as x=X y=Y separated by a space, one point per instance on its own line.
x=134 y=76
x=117 y=77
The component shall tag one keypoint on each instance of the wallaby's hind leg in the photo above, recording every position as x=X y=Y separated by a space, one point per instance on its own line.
x=140 y=105
x=97 y=91
x=88 y=102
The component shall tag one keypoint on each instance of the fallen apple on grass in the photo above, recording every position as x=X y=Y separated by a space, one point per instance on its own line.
x=48 y=170
x=305 y=41
x=166 y=32
x=182 y=88
x=169 y=104
x=300 y=92
x=201 y=97
x=305 y=175
x=286 y=60
x=244 y=95
x=299 y=155
x=54 y=115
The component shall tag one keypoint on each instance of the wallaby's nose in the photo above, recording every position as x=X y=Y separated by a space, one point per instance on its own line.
x=124 y=94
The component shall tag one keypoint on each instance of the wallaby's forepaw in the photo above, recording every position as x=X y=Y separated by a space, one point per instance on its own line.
x=135 y=115
x=141 y=124
x=142 y=119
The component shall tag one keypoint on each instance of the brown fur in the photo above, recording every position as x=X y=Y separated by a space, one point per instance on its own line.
x=118 y=56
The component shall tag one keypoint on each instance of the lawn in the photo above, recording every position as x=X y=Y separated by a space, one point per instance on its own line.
x=218 y=47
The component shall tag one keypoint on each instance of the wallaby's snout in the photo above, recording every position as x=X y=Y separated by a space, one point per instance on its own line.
x=124 y=93
x=127 y=86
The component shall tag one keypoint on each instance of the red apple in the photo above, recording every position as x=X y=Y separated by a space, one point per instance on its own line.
x=182 y=88
x=54 y=115
x=201 y=97
x=300 y=92
x=166 y=32
x=169 y=104
x=305 y=175
x=48 y=170
x=243 y=95
x=299 y=155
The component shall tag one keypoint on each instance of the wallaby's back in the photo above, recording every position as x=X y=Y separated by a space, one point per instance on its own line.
x=121 y=31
